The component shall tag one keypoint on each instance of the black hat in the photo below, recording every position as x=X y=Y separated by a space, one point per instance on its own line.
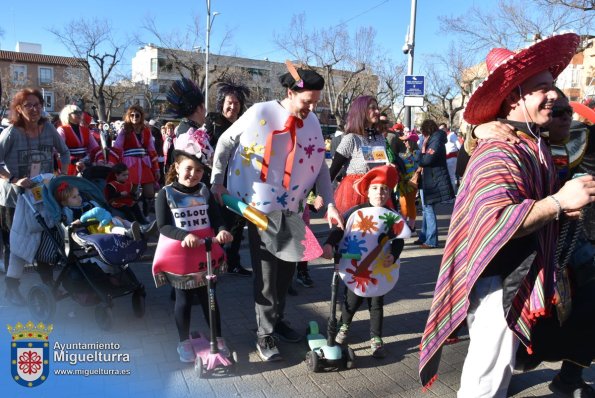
x=308 y=79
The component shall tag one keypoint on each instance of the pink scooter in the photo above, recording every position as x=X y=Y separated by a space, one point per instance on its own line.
x=208 y=354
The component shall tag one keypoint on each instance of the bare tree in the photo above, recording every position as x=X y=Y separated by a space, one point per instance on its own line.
x=75 y=86
x=92 y=41
x=343 y=60
x=390 y=92
x=583 y=5
x=511 y=24
x=450 y=80
x=185 y=54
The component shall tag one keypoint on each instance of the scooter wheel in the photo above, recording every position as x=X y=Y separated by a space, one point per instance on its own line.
x=349 y=357
x=198 y=368
x=312 y=361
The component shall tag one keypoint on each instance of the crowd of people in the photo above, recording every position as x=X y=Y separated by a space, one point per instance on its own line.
x=502 y=267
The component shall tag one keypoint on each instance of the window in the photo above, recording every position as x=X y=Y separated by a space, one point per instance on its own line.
x=46 y=75
x=153 y=65
x=18 y=73
x=48 y=98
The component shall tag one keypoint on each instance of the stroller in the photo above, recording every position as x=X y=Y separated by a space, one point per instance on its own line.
x=95 y=268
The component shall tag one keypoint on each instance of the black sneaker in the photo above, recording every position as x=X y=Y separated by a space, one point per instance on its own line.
x=239 y=271
x=266 y=347
x=578 y=389
x=287 y=334
x=303 y=277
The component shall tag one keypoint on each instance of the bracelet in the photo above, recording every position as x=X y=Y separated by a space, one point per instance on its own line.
x=558 y=205
x=330 y=205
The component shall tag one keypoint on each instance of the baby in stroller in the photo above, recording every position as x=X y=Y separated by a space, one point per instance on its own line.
x=96 y=267
x=76 y=211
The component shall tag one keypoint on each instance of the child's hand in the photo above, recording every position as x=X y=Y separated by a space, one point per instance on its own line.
x=191 y=241
x=388 y=261
x=318 y=203
x=223 y=237
x=327 y=251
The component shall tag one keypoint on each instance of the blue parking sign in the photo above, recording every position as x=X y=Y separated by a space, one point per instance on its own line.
x=414 y=85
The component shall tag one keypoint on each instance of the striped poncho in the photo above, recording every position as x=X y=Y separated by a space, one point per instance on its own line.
x=500 y=186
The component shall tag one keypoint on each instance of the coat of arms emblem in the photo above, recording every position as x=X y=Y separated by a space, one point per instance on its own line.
x=29 y=353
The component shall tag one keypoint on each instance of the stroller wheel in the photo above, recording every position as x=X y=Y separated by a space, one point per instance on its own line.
x=42 y=304
x=138 y=303
x=104 y=317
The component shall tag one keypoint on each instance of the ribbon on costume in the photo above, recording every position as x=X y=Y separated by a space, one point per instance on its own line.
x=290 y=126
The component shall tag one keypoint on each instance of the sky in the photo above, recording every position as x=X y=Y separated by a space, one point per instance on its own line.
x=252 y=24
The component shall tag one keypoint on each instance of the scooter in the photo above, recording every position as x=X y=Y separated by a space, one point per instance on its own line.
x=325 y=352
x=209 y=355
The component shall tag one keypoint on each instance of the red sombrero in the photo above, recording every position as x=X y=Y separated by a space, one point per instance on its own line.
x=386 y=175
x=508 y=69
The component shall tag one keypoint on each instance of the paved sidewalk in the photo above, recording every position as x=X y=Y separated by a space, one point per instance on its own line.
x=157 y=372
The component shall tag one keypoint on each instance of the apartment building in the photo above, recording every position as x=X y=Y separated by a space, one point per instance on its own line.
x=28 y=67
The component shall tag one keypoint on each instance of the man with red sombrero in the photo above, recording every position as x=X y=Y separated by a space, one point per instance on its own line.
x=498 y=266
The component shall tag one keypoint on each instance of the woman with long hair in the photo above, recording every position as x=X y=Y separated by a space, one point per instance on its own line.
x=138 y=150
x=355 y=152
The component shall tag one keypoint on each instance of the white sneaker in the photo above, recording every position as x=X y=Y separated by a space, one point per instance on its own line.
x=267 y=349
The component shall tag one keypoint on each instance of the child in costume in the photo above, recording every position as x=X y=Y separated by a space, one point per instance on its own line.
x=186 y=215
x=369 y=248
x=75 y=211
x=120 y=195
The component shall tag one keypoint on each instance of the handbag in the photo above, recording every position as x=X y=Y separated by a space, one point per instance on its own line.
x=414 y=180
x=47 y=251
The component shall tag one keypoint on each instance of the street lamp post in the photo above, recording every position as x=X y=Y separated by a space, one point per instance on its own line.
x=209 y=25
x=409 y=49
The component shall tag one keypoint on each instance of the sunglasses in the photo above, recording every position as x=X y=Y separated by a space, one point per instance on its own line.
x=135 y=115
x=78 y=113
x=559 y=111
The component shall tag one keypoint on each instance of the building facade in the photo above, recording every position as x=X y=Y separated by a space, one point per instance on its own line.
x=28 y=67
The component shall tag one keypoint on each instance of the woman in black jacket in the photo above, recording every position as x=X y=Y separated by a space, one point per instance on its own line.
x=435 y=185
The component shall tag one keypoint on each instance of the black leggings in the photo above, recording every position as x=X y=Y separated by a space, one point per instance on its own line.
x=375 y=306
x=183 y=307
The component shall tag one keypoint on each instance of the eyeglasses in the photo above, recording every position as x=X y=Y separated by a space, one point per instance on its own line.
x=29 y=107
x=559 y=111
x=133 y=115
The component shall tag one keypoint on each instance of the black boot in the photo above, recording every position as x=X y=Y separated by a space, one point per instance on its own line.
x=150 y=229
x=13 y=295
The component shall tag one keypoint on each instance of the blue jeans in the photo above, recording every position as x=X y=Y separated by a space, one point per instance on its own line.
x=429 y=225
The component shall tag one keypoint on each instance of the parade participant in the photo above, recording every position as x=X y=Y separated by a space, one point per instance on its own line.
x=408 y=186
x=138 y=150
x=369 y=278
x=120 y=195
x=503 y=283
x=567 y=140
x=168 y=145
x=435 y=183
x=275 y=153
x=78 y=138
x=186 y=215
x=77 y=211
x=361 y=148
x=231 y=100
x=26 y=149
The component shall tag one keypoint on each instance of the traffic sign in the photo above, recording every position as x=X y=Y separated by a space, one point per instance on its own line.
x=414 y=85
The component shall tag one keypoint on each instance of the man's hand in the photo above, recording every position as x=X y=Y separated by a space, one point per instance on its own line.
x=332 y=214
x=576 y=194
x=496 y=131
x=218 y=190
